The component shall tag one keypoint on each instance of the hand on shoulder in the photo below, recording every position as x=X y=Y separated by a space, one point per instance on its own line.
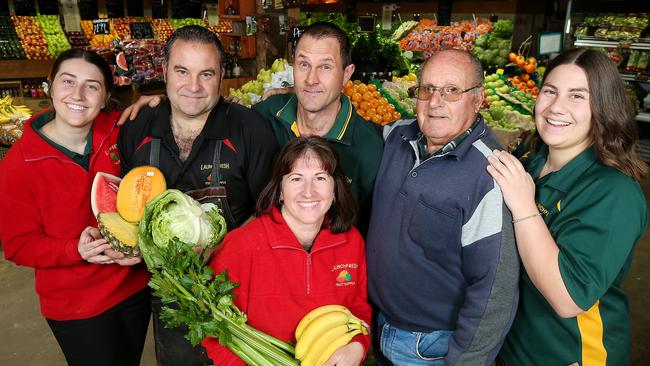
x=131 y=112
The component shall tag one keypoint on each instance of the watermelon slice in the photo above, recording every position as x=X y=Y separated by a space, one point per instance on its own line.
x=103 y=194
x=122 y=65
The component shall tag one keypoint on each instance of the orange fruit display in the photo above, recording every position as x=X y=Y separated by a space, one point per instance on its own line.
x=369 y=103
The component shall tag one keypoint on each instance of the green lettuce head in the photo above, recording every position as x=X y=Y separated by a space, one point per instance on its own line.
x=173 y=215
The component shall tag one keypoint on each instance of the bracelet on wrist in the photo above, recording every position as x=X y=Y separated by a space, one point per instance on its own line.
x=526 y=218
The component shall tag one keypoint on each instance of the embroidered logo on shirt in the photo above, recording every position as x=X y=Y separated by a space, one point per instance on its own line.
x=344 y=275
x=209 y=181
x=543 y=210
x=113 y=154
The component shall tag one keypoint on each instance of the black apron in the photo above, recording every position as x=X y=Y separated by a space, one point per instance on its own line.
x=171 y=346
x=215 y=193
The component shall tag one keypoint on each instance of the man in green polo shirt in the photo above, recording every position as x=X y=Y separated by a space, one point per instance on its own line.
x=322 y=65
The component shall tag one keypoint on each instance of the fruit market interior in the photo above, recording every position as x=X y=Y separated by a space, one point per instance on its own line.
x=513 y=39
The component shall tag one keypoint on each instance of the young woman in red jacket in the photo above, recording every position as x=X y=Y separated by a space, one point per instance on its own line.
x=300 y=253
x=95 y=301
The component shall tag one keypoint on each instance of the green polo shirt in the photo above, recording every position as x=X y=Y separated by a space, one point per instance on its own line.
x=358 y=143
x=596 y=214
x=81 y=159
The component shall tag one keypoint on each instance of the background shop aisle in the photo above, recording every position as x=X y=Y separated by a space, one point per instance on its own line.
x=25 y=338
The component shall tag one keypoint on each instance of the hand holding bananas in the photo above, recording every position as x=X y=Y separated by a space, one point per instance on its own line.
x=205 y=302
x=327 y=330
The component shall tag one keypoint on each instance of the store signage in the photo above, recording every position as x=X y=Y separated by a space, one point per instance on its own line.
x=294 y=34
x=141 y=30
x=101 y=26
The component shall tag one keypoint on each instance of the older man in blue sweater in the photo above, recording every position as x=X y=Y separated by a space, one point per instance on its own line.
x=442 y=262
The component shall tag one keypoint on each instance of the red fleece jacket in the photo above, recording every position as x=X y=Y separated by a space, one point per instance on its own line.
x=44 y=206
x=280 y=282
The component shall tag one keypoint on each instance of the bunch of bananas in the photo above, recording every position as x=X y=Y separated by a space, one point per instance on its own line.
x=10 y=112
x=324 y=330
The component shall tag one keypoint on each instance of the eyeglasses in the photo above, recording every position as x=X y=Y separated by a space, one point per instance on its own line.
x=448 y=93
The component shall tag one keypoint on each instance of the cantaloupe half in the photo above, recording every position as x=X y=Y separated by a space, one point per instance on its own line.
x=139 y=186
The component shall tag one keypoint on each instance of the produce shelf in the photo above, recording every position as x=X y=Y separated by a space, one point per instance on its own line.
x=611 y=44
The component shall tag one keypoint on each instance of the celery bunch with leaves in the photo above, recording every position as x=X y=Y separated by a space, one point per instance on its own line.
x=202 y=301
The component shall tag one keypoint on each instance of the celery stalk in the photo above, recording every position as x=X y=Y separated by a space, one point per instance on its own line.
x=256 y=357
x=278 y=343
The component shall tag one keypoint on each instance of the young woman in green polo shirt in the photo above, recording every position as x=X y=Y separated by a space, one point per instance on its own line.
x=578 y=212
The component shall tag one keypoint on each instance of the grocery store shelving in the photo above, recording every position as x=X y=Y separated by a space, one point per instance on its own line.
x=24 y=69
x=611 y=44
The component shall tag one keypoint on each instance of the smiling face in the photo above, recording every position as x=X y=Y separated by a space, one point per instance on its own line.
x=319 y=74
x=562 y=112
x=193 y=76
x=307 y=192
x=78 y=92
x=441 y=121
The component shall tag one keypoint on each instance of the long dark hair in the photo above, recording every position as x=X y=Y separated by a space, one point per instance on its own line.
x=341 y=214
x=613 y=128
x=92 y=58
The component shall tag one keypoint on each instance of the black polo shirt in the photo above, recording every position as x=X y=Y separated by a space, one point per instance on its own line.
x=248 y=149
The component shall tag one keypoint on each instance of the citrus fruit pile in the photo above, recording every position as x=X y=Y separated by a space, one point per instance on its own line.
x=369 y=103
x=527 y=65
x=526 y=81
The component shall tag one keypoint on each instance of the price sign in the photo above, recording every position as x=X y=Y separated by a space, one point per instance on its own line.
x=101 y=26
x=294 y=34
x=141 y=30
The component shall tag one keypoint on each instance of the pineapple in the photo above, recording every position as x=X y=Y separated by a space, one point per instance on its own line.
x=120 y=234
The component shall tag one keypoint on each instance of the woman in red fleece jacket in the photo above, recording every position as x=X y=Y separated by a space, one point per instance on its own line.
x=301 y=252
x=95 y=300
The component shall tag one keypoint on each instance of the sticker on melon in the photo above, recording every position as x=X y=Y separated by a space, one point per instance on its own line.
x=138 y=187
x=103 y=194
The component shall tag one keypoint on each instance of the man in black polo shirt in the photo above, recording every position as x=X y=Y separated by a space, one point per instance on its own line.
x=205 y=146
